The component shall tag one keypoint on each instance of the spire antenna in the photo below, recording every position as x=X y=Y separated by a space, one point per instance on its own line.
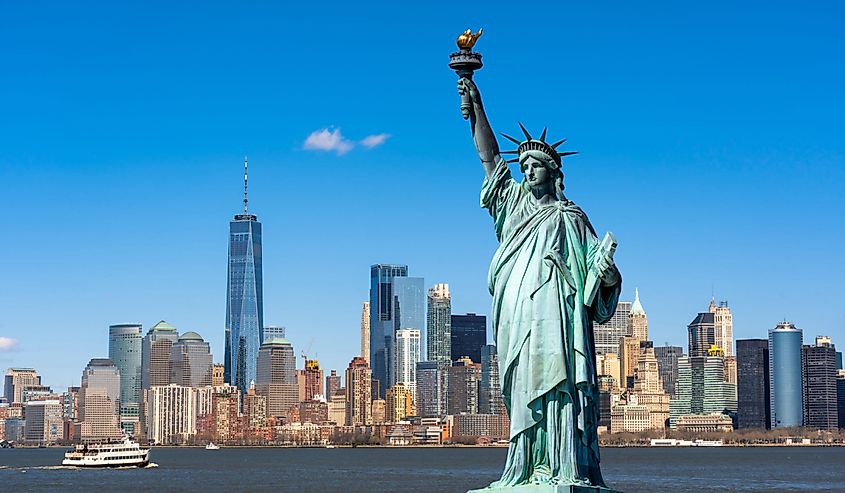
x=246 y=209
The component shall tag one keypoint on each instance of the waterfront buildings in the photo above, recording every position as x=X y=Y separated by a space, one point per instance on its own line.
x=608 y=365
x=469 y=335
x=840 y=397
x=365 y=331
x=155 y=355
x=171 y=414
x=667 y=364
x=190 y=361
x=407 y=352
x=753 y=406
x=439 y=324
x=337 y=407
x=44 y=421
x=333 y=383
x=276 y=376
x=785 y=381
x=244 y=297
x=125 y=343
x=399 y=403
x=608 y=334
x=396 y=302
x=310 y=380
x=17 y=380
x=629 y=354
x=489 y=390
x=819 y=393
x=99 y=401
x=358 y=392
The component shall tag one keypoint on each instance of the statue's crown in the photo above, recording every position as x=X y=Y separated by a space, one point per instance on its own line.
x=531 y=144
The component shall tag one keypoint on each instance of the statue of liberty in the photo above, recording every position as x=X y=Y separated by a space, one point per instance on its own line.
x=551 y=280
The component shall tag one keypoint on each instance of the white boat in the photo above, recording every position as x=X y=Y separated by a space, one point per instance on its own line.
x=211 y=446
x=124 y=453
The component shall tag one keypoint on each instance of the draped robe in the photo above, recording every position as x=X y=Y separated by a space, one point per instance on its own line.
x=544 y=333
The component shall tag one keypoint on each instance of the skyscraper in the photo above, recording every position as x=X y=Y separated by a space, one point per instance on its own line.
x=469 y=335
x=464 y=376
x=701 y=388
x=332 y=384
x=16 y=381
x=702 y=334
x=840 y=397
x=753 y=406
x=276 y=376
x=274 y=331
x=396 y=302
x=629 y=356
x=359 y=396
x=637 y=319
x=432 y=388
x=439 y=328
x=607 y=335
x=785 y=382
x=365 y=331
x=155 y=354
x=667 y=365
x=407 y=356
x=490 y=391
x=43 y=422
x=819 y=371
x=723 y=326
x=125 y=352
x=244 y=298
x=190 y=361
x=99 y=401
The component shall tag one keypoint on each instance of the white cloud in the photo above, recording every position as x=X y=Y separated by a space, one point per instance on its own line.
x=376 y=140
x=328 y=140
x=7 y=344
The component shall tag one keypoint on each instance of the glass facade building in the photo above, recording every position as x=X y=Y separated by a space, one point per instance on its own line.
x=667 y=365
x=244 y=331
x=439 y=329
x=608 y=334
x=702 y=334
x=469 y=335
x=155 y=355
x=190 y=361
x=785 y=382
x=125 y=353
x=752 y=361
x=396 y=302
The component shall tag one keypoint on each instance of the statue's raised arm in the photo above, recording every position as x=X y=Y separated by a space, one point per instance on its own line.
x=482 y=134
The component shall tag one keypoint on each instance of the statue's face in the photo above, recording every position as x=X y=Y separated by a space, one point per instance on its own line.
x=537 y=174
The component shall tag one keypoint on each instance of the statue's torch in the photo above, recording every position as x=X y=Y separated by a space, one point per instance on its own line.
x=465 y=62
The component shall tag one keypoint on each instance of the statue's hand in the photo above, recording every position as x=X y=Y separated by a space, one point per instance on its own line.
x=608 y=272
x=468 y=87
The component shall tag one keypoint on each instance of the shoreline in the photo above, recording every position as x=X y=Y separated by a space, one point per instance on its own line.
x=731 y=445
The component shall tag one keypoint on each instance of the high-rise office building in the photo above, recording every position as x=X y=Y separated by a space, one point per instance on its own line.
x=608 y=334
x=17 y=380
x=311 y=380
x=359 y=396
x=667 y=365
x=785 y=382
x=701 y=388
x=432 y=388
x=723 y=326
x=609 y=369
x=155 y=355
x=217 y=374
x=399 y=403
x=629 y=355
x=637 y=319
x=171 y=414
x=190 y=361
x=819 y=393
x=365 y=331
x=276 y=376
x=490 y=390
x=648 y=388
x=125 y=342
x=464 y=376
x=702 y=334
x=469 y=335
x=840 y=397
x=99 y=401
x=244 y=298
x=408 y=351
x=43 y=422
x=753 y=406
x=439 y=324
x=333 y=383
x=396 y=302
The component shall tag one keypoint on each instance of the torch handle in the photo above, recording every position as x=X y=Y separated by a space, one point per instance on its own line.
x=466 y=102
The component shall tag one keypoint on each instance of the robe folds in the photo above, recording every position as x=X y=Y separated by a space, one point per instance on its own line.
x=543 y=331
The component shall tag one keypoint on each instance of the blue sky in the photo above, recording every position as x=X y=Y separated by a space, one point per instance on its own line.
x=711 y=143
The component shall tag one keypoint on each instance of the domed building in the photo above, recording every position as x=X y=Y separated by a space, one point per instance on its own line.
x=190 y=360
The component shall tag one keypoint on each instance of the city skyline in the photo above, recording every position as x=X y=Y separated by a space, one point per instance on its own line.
x=699 y=207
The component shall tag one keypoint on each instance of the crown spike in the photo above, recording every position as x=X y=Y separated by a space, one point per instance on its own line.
x=527 y=135
x=554 y=146
x=511 y=139
x=514 y=160
x=568 y=153
x=515 y=151
x=543 y=135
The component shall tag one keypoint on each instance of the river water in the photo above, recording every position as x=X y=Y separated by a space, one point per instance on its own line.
x=410 y=470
